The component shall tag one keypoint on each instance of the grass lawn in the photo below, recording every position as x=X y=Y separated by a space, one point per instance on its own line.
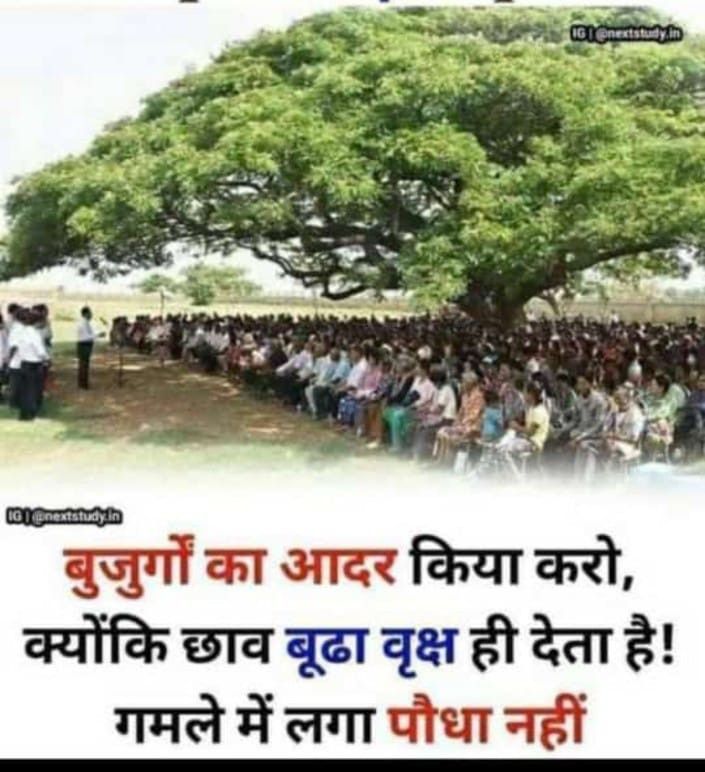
x=169 y=417
x=172 y=418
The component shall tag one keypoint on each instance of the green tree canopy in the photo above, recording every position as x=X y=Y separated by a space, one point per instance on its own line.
x=158 y=282
x=204 y=283
x=474 y=155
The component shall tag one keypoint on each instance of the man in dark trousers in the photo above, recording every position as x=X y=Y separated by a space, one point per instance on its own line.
x=30 y=350
x=14 y=333
x=84 y=347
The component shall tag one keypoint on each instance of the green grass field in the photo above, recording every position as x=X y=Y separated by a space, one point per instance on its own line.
x=170 y=418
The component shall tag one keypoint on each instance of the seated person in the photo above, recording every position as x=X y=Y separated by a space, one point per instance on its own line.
x=287 y=376
x=565 y=414
x=351 y=401
x=623 y=435
x=442 y=412
x=660 y=414
x=308 y=373
x=369 y=409
x=358 y=368
x=400 y=418
x=467 y=425
x=324 y=394
x=323 y=370
x=529 y=437
x=492 y=417
x=690 y=419
x=395 y=396
x=586 y=439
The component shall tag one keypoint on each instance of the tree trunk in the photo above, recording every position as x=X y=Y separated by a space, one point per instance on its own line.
x=511 y=316
x=551 y=300
x=504 y=314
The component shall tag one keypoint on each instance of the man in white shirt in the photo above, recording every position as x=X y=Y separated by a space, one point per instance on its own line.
x=32 y=354
x=84 y=347
x=299 y=358
x=3 y=342
x=323 y=369
x=156 y=332
x=289 y=383
x=425 y=388
x=43 y=325
x=356 y=372
x=15 y=329
x=193 y=337
x=359 y=368
x=4 y=354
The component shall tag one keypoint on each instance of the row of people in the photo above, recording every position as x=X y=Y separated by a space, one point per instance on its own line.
x=25 y=358
x=26 y=355
x=433 y=385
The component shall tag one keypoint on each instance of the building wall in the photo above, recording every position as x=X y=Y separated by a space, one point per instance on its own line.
x=631 y=311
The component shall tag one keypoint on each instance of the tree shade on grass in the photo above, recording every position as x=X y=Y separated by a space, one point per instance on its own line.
x=472 y=155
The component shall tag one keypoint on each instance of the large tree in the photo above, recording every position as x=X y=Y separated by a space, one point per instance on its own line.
x=463 y=154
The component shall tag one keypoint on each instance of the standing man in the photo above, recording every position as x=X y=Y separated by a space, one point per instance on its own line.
x=43 y=325
x=4 y=356
x=33 y=356
x=15 y=329
x=84 y=347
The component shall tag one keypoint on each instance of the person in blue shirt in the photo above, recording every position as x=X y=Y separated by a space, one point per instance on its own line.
x=322 y=393
x=492 y=420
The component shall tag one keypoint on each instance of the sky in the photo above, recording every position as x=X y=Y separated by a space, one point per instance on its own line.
x=69 y=68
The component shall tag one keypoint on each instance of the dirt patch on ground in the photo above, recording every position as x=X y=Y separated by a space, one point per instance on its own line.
x=178 y=404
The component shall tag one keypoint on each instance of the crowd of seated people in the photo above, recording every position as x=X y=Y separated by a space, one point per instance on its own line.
x=452 y=391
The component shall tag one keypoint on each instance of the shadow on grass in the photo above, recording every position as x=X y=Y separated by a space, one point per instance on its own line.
x=321 y=454
x=174 y=437
x=159 y=419
x=55 y=422
x=80 y=434
x=70 y=428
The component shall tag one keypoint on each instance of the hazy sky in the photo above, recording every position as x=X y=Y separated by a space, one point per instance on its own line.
x=67 y=69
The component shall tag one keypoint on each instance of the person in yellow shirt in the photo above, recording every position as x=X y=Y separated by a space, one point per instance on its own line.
x=529 y=436
x=538 y=419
